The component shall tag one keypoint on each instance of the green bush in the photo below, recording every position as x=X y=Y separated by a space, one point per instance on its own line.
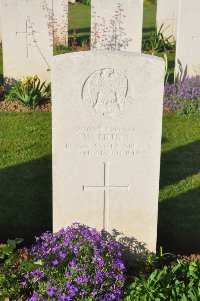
x=181 y=282
x=10 y=267
x=150 y=2
x=157 y=43
x=86 y=2
x=29 y=91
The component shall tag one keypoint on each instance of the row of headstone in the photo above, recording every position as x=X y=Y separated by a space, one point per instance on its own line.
x=116 y=25
x=181 y=22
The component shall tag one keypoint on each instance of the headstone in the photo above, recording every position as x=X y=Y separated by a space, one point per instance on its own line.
x=116 y=25
x=72 y=1
x=188 y=40
x=60 y=13
x=106 y=143
x=27 y=30
x=167 y=15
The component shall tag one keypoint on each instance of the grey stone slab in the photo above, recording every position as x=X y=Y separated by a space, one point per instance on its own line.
x=188 y=40
x=116 y=25
x=107 y=120
x=60 y=13
x=27 y=32
x=167 y=15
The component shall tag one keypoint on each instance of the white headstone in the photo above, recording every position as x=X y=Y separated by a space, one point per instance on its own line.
x=167 y=15
x=116 y=25
x=27 y=38
x=60 y=13
x=107 y=117
x=188 y=40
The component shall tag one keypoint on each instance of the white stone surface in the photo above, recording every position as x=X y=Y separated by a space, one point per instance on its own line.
x=188 y=40
x=116 y=25
x=107 y=117
x=167 y=14
x=60 y=12
x=72 y=1
x=27 y=32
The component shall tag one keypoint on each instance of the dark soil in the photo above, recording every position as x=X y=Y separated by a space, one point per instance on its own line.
x=16 y=106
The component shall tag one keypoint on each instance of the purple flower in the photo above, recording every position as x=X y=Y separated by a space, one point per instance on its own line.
x=184 y=95
x=51 y=291
x=77 y=262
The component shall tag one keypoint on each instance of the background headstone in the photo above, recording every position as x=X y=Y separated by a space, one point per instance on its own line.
x=188 y=40
x=60 y=13
x=167 y=14
x=116 y=25
x=27 y=32
x=106 y=141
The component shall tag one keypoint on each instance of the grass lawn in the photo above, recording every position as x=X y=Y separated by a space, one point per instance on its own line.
x=25 y=177
x=25 y=174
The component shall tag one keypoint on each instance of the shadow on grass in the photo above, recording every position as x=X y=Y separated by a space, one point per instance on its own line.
x=79 y=40
x=26 y=200
x=80 y=31
x=180 y=163
x=179 y=223
x=148 y=29
x=179 y=217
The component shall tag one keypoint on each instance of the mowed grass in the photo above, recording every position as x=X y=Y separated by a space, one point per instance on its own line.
x=25 y=175
x=179 y=201
x=26 y=180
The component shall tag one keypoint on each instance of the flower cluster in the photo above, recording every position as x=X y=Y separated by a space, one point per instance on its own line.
x=29 y=80
x=76 y=263
x=183 y=95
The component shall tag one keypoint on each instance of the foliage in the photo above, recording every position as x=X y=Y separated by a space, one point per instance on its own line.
x=181 y=281
x=10 y=276
x=158 y=261
x=150 y=2
x=86 y=2
x=184 y=95
x=29 y=91
x=77 y=263
x=156 y=42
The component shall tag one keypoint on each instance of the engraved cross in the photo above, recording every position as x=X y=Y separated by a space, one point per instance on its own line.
x=29 y=32
x=174 y=21
x=106 y=188
x=196 y=38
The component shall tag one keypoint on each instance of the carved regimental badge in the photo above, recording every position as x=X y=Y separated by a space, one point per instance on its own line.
x=107 y=93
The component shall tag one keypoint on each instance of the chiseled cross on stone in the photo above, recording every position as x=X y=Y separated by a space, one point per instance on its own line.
x=196 y=38
x=174 y=21
x=106 y=188
x=29 y=32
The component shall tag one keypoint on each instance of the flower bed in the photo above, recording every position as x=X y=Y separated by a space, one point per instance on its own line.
x=79 y=263
x=183 y=96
